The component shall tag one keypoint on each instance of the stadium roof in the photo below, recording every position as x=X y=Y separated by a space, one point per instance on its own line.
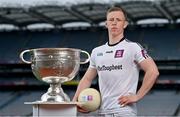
x=58 y=13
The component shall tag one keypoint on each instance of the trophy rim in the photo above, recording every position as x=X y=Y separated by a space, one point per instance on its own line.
x=62 y=49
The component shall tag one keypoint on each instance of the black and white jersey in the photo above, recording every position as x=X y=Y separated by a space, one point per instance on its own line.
x=118 y=71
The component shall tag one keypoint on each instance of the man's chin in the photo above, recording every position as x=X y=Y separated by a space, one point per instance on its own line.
x=115 y=34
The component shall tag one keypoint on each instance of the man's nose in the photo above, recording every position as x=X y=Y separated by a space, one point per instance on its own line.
x=114 y=22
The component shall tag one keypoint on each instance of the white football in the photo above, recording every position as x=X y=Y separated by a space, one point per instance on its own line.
x=90 y=99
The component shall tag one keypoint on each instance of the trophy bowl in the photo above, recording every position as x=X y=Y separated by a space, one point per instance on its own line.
x=55 y=66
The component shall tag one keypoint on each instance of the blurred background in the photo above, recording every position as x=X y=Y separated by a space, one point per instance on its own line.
x=155 y=24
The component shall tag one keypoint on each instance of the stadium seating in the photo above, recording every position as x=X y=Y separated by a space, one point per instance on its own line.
x=156 y=103
x=159 y=103
x=161 y=43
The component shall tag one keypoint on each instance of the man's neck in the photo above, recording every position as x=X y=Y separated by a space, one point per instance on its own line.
x=115 y=39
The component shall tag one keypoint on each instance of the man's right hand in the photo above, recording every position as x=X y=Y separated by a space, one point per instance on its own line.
x=80 y=109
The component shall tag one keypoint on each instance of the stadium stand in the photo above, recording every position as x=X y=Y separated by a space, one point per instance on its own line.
x=156 y=103
x=159 y=103
x=79 y=39
x=150 y=38
x=11 y=109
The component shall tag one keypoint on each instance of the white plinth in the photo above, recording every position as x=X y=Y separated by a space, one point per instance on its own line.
x=49 y=109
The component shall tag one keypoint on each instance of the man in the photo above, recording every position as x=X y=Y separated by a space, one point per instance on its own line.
x=117 y=64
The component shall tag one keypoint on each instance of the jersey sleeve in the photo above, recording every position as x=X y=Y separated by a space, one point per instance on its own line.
x=140 y=53
x=92 y=60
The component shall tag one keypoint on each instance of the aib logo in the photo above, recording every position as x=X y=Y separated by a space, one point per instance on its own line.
x=87 y=98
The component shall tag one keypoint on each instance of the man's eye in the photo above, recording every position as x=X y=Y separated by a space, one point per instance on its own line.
x=119 y=19
x=111 y=19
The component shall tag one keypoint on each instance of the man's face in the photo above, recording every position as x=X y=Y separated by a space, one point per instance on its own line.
x=116 y=23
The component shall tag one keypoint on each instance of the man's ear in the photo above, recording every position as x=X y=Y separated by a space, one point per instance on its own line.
x=125 y=24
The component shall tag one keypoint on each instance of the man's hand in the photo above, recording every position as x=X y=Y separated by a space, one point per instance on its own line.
x=80 y=109
x=129 y=99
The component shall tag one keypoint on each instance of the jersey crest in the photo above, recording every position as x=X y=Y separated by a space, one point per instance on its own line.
x=119 y=53
x=144 y=53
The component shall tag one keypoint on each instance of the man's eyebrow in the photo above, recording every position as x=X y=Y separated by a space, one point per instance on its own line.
x=117 y=18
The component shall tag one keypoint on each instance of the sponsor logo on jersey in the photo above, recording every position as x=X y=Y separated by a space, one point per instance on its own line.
x=109 y=51
x=100 y=54
x=119 y=53
x=109 y=68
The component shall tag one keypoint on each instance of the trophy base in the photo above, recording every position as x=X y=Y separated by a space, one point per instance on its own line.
x=55 y=98
x=54 y=109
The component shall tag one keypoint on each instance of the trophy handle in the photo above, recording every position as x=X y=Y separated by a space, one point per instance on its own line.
x=87 y=60
x=22 y=58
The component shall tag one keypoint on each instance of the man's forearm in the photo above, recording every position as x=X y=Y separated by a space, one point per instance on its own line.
x=148 y=82
x=82 y=85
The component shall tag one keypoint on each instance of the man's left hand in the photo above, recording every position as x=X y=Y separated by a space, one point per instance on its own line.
x=126 y=100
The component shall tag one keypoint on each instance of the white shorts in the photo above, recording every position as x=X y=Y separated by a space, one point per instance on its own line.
x=118 y=115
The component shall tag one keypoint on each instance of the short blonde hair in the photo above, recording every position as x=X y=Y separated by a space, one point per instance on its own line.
x=117 y=9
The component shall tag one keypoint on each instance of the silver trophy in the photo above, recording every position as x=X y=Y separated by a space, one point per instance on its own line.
x=55 y=66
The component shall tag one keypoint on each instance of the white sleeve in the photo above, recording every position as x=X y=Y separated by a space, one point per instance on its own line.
x=92 y=60
x=140 y=53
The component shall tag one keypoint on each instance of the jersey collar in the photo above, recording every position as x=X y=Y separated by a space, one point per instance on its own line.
x=116 y=43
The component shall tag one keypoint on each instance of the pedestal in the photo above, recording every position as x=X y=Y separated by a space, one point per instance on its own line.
x=41 y=109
